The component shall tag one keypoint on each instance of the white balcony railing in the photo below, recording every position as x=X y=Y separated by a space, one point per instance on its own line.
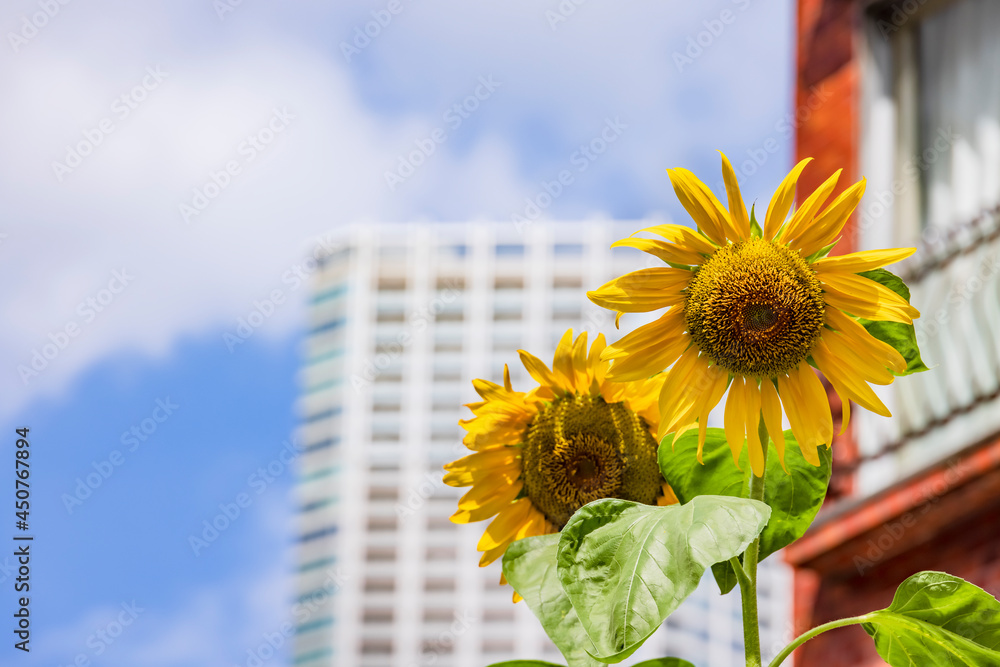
x=955 y=283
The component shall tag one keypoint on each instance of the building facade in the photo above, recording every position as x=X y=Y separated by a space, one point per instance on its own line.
x=907 y=94
x=402 y=318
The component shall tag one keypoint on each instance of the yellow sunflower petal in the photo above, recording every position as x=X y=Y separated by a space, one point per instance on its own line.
x=669 y=325
x=735 y=422
x=504 y=527
x=495 y=392
x=482 y=502
x=677 y=400
x=828 y=224
x=782 y=200
x=792 y=401
x=751 y=415
x=862 y=297
x=845 y=413
x=685 y=237
x=668 y=496
x=803 y=218
x=718 y=380
x=864 y=365
x=491 y=555
x=534 y=525
x=846 y=381
x=595 y=363
x=866 y=260
x=652 y=361
x=505 y=474
x=489 y=459
x=770 y=407
x=562 y=362
x=808 y=410
x=581 y=372
x=643 y=290
x=670 y=253
x=692 y=198
x=861 y=339
x=737 y=209
x=649 y=349
x=817 y=403
x=537 y=369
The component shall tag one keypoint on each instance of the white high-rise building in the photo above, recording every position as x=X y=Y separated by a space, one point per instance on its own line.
x=403 y=317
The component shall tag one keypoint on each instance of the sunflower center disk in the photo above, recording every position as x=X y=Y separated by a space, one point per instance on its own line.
x=756 y=308
x=580 y=449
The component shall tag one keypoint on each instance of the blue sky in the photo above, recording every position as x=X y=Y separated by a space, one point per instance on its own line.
x=111 y=226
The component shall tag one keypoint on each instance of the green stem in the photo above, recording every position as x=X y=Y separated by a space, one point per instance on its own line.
x=741 y=575
x=748 y=587
x=818 y=630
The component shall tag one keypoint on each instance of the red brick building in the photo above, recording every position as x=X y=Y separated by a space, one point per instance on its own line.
x=907 y=94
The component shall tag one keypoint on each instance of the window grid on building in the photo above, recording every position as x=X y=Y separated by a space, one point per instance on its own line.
x=385 y=579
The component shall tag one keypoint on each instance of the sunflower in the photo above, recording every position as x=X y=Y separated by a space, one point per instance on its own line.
x=541 y=455
x=753 y=310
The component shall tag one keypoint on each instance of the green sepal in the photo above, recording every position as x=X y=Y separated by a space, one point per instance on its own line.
x=794 y=497
x=938 y=619
x=902 y=337
x=685 y=267
x=755 y=228
x=821 y=253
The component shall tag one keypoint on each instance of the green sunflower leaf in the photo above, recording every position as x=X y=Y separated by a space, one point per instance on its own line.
x=938 y=619
x=664 y=662
x=627 y=566
x=530 y=567
x=902 y=337
x=794 y=497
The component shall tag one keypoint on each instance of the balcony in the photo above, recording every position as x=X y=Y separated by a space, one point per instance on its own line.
x=955 y=282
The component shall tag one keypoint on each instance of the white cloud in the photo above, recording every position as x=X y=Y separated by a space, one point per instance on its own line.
x=119 y=208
